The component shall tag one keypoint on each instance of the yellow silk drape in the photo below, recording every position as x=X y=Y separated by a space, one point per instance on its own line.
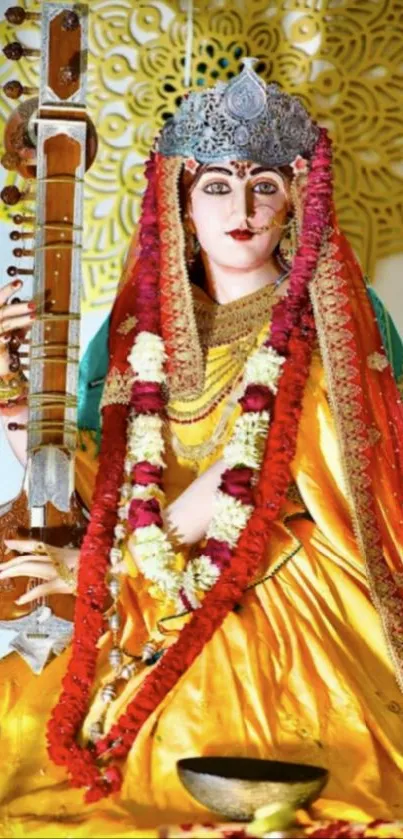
x=300 y=672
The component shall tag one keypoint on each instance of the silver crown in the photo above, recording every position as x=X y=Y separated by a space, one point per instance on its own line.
x=244 y=119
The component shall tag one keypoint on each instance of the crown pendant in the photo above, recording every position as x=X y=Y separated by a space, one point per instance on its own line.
x=245 y=96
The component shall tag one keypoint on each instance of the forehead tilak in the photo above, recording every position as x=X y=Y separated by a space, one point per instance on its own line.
x=242 y=168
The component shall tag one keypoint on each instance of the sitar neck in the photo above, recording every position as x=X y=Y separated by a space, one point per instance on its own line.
x=58 y=127
x=55 y=337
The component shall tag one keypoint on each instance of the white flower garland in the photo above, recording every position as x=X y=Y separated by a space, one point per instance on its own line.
x=264 y=367
x=155 y=556
x=204 y=573
x=230 y=516
x=147 y=358
x=189 y=587
x=145 y=439
x=247 y=443
x=156 y=559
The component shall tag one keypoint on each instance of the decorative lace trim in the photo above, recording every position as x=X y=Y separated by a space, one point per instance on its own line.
x=181 y=337
x=117 y=388
x=335 y=328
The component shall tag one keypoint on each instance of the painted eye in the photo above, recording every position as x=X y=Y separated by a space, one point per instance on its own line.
x=265 y=188
x=217 y=188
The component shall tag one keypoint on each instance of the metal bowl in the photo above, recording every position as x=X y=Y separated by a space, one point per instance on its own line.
x=235 y=787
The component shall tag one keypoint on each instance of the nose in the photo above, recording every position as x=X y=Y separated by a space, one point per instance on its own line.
x=243 y=203
x=249 y=208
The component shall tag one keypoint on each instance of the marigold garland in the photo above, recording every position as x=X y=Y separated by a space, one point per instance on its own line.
x=292 y=336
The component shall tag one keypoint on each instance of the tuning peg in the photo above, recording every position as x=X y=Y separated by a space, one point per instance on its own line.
x=11 y=195
x=16 y=235
x=14 y=342
x=14 y=362
x=20 y=252
x=12 y=271
x=70 y=21
x=16 y=426
x=17 y=15
x=14 y=89
x=15 y=51
x=19 y=219
x=11 y=161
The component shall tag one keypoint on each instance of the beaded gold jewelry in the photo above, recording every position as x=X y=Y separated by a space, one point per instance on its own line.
x=66 y=574
x=289 y=241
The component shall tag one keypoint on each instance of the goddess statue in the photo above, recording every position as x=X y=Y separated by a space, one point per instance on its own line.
x=240 y=582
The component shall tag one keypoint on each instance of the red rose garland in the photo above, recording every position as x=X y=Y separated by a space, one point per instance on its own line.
x=89 y=621
x=292 y=335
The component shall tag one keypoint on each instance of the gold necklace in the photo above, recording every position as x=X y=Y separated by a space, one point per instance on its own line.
x=222 y=324
x=239 y=325
x=224 y=373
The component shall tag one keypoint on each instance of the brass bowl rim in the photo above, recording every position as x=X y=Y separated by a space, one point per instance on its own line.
x=263 y=771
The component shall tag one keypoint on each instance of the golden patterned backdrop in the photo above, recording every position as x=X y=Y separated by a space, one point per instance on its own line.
x=343 y=58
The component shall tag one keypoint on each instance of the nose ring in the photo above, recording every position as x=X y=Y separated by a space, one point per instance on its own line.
x=273 y=223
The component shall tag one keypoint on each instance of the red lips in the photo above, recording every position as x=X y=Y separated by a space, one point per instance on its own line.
x=241 y=235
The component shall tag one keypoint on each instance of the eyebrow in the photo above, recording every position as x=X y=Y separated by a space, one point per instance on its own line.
x=220 y=169
x=257 y=170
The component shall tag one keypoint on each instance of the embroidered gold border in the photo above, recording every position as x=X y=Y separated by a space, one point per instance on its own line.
x=117 y=389
x=335 y=329
x=186 y=367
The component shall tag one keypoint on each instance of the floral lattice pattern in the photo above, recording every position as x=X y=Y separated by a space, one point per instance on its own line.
x=341 y=58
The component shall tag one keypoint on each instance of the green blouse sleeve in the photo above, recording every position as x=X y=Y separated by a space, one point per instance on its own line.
x=91 y=380
x=391 y=339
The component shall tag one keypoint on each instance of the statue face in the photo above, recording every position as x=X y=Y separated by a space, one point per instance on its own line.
x=232 y=196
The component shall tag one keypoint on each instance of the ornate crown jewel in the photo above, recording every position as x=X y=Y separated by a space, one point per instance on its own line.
x=244 y=119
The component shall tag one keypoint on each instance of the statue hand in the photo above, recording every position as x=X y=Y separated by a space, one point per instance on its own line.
x=14 y=318
x=57 y=566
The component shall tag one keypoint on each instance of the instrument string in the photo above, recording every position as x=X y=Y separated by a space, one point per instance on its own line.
x=58 y=246
x=58 y=316
x=50 y=225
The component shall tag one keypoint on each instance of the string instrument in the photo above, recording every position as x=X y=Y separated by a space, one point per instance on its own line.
x=49 y=141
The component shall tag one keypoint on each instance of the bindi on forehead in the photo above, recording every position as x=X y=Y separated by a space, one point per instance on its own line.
x=242 y=168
